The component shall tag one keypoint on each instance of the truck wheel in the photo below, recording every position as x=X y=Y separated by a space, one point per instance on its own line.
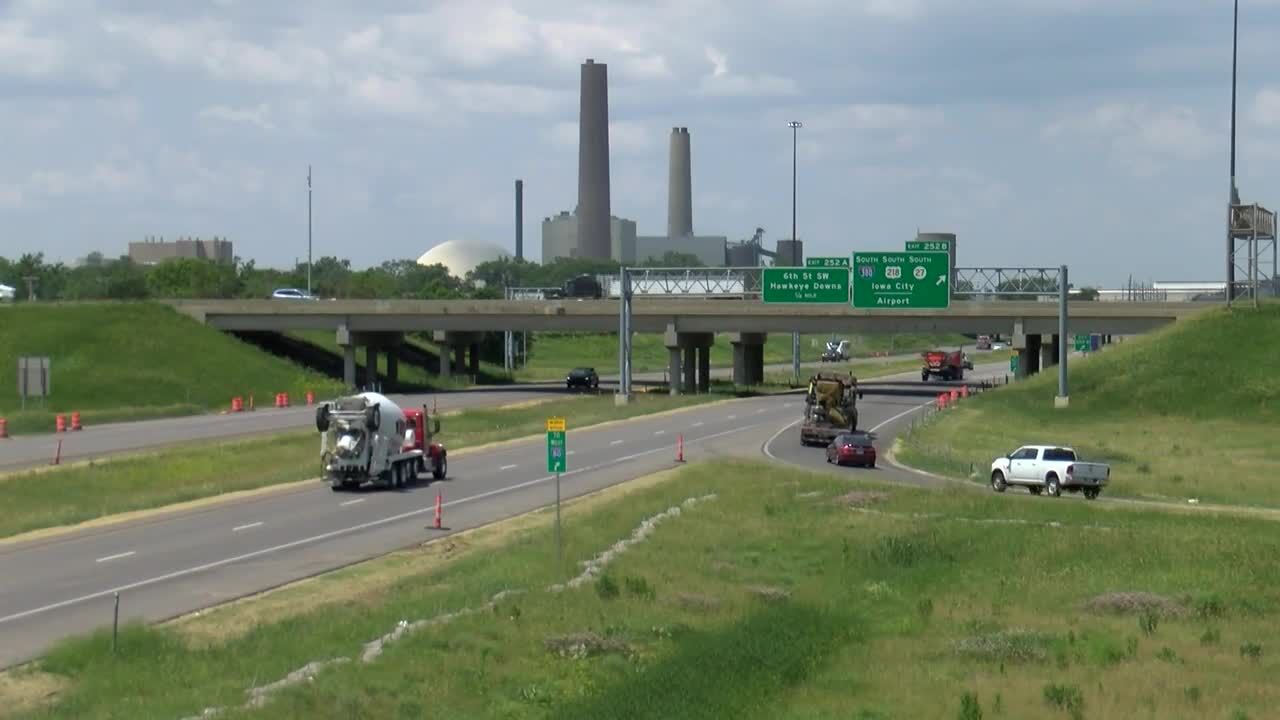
x=322 y=418
x=373 y=417
x=924 y=377
x=1052 y=486
x=998 y=483
x=442 y=467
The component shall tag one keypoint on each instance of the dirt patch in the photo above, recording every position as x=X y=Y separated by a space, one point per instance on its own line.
x=1018 y=646
x=695 y=601
x=585 y=644
x=772 y=593
x=1126 y=603
x=861 y=498
x=23 y=691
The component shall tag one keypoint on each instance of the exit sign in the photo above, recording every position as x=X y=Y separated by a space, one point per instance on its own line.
x=826 y=262
x=805 y=285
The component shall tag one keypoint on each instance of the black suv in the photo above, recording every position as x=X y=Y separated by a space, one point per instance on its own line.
x=582 y=378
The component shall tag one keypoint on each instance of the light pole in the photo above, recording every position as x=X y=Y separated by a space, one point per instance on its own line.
x=795 y=125
x=308 y=230
x=1234 y=196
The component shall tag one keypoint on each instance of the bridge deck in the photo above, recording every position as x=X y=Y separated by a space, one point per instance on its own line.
x=689 y=315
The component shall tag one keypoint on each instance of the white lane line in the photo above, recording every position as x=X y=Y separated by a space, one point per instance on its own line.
x=114 y=557
x=615 y=442
x=761 y=410
x=572 y=452
x=697 y=424
x=352 y=502
x=659 y=432
x=508 y=467
x=732 y=417
x=238 y=528
x=347 y=530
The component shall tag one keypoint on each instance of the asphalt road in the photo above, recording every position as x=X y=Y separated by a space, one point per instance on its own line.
x=26 y=451
x=173 y=563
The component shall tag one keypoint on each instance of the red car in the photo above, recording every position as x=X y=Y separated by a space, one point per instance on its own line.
x=852 y=449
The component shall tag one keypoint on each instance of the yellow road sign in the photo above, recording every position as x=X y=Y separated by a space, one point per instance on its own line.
x=555 y=424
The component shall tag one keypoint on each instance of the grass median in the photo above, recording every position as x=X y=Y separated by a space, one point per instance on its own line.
x=51 y=498
x=778 y=594
x=1189 y=412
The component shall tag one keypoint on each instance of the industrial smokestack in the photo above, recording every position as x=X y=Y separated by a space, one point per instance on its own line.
x=680 y=186
x=519 y=219
x=593 y=163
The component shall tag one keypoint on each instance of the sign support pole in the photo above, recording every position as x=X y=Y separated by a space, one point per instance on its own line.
x=559 y=537
x=1063 y=399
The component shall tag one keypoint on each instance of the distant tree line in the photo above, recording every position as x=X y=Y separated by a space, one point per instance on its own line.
x=100 y=278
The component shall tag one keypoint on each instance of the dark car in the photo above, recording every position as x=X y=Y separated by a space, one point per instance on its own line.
x=852 y=449
x=584 y=377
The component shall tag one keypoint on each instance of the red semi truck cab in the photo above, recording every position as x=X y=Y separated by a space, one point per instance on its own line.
x=423 y=439
x=943 y=364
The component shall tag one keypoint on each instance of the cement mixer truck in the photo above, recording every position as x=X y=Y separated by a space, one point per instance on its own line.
x=368 y=438
x=830 y=408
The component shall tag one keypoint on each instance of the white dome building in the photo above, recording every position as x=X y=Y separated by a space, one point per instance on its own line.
x=463 y=256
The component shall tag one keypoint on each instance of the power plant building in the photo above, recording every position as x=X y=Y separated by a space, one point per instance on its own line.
x=152 y=251
x=593 y=162
x=560 y=238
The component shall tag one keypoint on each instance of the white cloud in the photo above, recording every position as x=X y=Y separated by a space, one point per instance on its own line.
x=722 y=82
x=1266 y=108
x=1142 y=137
x=257 y=116
x=25 y=54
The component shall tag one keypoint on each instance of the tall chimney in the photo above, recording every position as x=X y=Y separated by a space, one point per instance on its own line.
x=679 y=186
x=519 y=219
x=593 y=163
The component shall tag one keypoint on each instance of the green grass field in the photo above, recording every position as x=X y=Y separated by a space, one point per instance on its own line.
x=787 y=596
x=129 y=361
x=50 y=498
x=1191 y=411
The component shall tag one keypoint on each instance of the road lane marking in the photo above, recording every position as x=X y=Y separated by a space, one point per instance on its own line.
x=697 y=424
x=572 y=452
x=508 y=467
x=615 y=442
x=352 y=502
x=117 y=556
x=348 y=530
x=238 y=528
x=732 y=417
x=659 y=432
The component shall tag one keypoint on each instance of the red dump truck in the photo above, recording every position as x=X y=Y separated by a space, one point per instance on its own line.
x=942 y=364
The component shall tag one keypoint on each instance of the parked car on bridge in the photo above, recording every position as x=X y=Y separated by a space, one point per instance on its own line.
x=1050 y=469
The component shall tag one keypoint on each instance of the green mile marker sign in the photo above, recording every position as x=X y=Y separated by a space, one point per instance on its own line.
x=901 y=280
x=805 y=285
x=557 y=456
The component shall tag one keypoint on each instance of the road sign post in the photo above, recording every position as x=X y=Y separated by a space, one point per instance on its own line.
x=557 y=462
x=805 y=285
x=901 y=280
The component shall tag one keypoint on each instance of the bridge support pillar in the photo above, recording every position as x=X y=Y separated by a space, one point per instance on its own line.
x=349 y=366
x=453 y=351
x=673 y=369
x=1033 y=355
x=370 y=366
x=1048 y=351
x=748 y=358
x=696 y=351
x=393 y=366
x=473 y=359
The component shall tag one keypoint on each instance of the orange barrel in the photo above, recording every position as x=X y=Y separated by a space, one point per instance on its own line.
x=311 y=398
x=4 y=428
x=60 y=423
x=955 y=395
x=75 y=420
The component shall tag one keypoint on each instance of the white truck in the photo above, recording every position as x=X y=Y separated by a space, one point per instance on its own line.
x=368 y=433
x=1050 y=469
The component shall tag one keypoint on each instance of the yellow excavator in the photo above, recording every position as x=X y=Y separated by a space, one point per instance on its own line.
x=830 y=408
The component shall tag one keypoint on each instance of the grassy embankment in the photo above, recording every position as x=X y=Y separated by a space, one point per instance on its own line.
x=789 y=595
x=130 y=361
x=1192 y=411
x=55 y=497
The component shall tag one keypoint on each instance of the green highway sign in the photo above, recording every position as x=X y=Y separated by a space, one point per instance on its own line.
x=805 y=285
x=1013 y=363
x=841 y=262
x=901 y=280
x=1083 y=343
x=557 y=456
x=928 y=246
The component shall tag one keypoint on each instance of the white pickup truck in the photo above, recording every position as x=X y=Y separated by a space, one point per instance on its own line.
x=1049 y=468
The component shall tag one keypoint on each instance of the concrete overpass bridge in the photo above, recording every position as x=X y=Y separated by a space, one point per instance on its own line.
x=689 y=325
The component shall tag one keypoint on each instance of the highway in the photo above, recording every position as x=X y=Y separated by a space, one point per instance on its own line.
x=26 y=451
x=169 y=564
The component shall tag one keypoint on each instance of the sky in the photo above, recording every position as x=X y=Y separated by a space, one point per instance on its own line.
x=1091 y=133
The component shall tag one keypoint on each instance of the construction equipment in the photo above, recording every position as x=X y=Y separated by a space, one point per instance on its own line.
x=943 y=364
x=830 y=408
x=374 y=441
x=836 y=351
